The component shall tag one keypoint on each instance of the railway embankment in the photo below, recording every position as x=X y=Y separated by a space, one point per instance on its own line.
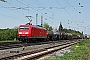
x=79 y=51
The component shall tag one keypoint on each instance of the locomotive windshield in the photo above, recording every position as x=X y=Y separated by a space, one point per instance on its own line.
x=24 y=28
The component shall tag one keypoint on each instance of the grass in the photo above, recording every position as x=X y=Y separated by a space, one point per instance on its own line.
x=79 y=52
x=9 y=41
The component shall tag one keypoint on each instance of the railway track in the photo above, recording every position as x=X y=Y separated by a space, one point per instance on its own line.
x=40 y=52
x=10 y=45
x=20 y=47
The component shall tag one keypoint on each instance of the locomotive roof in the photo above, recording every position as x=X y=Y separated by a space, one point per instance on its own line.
x=36 y=26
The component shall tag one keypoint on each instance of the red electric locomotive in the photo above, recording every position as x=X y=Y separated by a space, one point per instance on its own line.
x=29 y=32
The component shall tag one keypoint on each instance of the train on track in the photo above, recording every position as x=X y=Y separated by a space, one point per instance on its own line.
x=29 y=32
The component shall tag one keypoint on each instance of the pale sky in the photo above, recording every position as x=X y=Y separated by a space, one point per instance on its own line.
x=68 y=12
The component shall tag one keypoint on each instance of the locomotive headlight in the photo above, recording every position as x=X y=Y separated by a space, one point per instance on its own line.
x=26 y=32
x=20 y=32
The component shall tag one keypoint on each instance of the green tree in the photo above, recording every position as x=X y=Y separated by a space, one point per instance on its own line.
x=8 y=34
x=60 y=27
x=82 y=32
x=15 y=27
x=50 y=28
x=47 y=26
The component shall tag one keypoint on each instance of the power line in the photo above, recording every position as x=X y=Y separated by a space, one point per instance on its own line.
x=32 y=8
x=71 y=5
x=10 y=16
x=64 y=8
x=43 y=6
x=83 y=8
x=74 y=7
x=46 y=10
x=14 y=7
x=11 y=9
x=26 y=5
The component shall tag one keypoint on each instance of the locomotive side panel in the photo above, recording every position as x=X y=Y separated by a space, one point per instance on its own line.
x=35 y=32
x=44 y=33
x=38 y=32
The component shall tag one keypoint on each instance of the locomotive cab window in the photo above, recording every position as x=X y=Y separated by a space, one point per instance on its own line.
x=24 y=28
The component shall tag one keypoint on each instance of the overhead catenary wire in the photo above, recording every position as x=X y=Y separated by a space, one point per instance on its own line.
x=33 y=8
x=14 y=8
x=72 y=6
x=75 y=8
x=64 y=9
x=43 y=6
x=8 y=15
x=83 y=8
x=9 y=8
